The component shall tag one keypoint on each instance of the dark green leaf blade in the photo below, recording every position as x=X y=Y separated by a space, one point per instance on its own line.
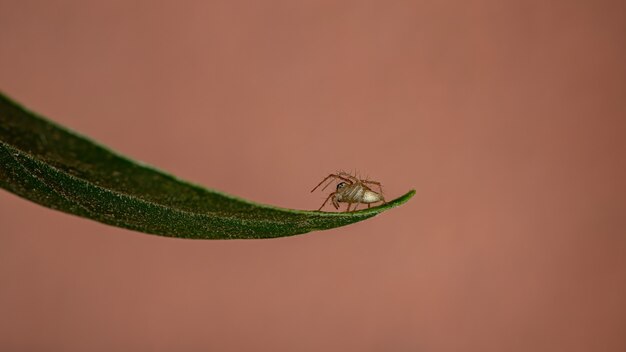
x=52 y=166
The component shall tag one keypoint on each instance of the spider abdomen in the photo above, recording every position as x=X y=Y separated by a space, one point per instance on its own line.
x=357 y=193
x=371 y=197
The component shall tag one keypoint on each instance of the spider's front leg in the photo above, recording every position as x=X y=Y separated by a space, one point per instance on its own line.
x=347 y=175
x=331 y=176
x=332 y=195
x=335 y=201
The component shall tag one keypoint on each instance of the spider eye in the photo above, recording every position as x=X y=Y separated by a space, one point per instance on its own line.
x=341 y=185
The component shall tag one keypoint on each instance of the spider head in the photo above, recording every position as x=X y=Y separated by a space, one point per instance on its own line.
x=341 y=185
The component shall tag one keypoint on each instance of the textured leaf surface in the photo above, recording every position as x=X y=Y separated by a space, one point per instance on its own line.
x=52 y=166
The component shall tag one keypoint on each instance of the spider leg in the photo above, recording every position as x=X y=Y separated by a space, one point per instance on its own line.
x=345 y=174
x=335 y=202
x=326 y=201
x=324 y=180
x=339 y=177
x=331 y=176
x=349 y=204
x=356 y=205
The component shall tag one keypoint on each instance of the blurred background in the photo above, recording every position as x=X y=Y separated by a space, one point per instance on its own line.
x=507 y=117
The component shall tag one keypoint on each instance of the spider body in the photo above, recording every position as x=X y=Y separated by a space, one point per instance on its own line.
x=351 y=190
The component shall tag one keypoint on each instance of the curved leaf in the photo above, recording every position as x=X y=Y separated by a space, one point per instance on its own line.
x=52 y=166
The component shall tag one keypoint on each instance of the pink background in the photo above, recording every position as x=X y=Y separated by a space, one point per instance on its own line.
x=509 y=118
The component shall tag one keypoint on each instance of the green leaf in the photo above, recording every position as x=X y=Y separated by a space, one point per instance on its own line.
x=52 y=166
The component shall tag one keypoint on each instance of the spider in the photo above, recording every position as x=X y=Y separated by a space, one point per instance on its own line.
x=351 y=190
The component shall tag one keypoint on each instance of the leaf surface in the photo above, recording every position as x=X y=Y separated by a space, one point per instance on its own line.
x=60 y=169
